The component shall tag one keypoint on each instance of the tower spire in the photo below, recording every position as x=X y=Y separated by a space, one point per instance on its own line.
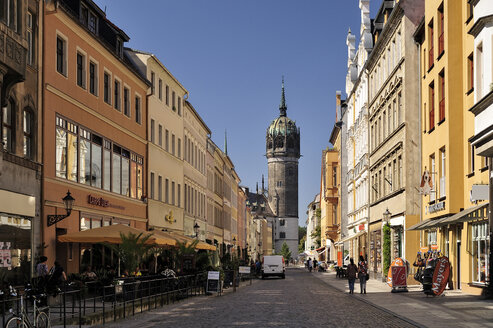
x=226 y=141
x=282 y=106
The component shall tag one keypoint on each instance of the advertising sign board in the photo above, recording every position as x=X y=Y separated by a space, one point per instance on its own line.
x=440 y=275
x=244 y=270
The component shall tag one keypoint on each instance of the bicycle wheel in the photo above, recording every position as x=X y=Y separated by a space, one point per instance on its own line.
x=16 y=322
x=42 y=320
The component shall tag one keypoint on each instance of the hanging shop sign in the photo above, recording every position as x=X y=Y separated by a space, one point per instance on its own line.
x=440 y=275
x=361 y=227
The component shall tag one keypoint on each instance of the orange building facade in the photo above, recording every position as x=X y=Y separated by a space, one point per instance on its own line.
x=94 y=134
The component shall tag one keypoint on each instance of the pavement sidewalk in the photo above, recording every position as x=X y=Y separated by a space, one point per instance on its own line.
x=451 y=309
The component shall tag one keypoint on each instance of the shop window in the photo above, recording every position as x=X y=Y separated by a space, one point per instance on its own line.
x=16 y=249
x=432 y=237
x=479 y=250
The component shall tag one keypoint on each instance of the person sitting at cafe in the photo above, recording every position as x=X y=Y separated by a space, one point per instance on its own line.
x=89 y=274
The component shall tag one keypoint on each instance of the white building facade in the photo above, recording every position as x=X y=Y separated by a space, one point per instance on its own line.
x=357 y=135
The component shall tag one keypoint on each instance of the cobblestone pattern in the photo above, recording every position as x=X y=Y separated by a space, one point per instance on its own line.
x=300 y=300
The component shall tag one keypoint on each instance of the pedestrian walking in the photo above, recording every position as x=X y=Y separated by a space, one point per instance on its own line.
x=351 y=270
x=310 y=264
x=315 y=263
x=362 y=274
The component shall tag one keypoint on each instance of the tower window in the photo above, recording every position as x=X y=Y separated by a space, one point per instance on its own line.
x=282 y=222
x=282 y=235
x=279 y=184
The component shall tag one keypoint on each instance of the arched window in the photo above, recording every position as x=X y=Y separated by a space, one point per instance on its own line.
x=28 y=129
x=8 y=124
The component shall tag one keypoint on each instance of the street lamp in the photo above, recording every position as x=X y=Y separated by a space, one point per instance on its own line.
x=386 y=215
x=196 y=228
x=68 y=201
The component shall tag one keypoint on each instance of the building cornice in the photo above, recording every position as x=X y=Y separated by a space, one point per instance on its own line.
x=384 y=38
x=480 y=24
x=482 y=104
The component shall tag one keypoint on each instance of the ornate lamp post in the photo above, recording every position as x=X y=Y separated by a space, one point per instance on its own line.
x=387 y=215
x=196 y=228
x=68 y=201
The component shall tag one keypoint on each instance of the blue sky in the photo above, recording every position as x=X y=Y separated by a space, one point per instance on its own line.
x=231 y=54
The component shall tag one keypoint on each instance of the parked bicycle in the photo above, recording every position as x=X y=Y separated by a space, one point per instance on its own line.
x=22 y=319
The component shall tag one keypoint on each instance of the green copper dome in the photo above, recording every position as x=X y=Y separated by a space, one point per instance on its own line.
x=283 y=126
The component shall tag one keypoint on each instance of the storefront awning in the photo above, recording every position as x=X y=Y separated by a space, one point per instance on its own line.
x=350 y=237
x=477 y=212
x=472 y=213
x=185 y=239
x=112 y=234
x=424 y=225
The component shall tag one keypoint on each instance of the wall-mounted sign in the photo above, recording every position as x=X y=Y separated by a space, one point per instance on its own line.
x=440 y=206
x=100 y=201
x=169 y=217
x=361 y=227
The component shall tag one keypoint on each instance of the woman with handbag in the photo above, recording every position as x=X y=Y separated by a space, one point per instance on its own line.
x=362 y=274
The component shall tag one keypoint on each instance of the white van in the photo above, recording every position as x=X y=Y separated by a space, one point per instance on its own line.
x=273 y=265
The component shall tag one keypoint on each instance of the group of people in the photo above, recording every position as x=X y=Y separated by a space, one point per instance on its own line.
x=359 y=271
x=311 y=264
x=53 y=278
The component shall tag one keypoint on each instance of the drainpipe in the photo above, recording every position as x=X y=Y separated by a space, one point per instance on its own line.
x=420 y=136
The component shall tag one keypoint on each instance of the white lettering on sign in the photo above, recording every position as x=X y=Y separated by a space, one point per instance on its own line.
x=213 y=275
x=244 y=269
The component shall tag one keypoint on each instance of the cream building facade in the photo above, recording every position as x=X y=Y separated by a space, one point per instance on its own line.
x=165 y=135
x=195 y=135
x=394 y=131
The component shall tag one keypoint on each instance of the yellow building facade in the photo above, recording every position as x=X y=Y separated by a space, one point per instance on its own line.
x=452 y=213
x=329 y=209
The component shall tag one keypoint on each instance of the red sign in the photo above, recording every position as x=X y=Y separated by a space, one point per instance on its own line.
x=398 y=262
x=440 y=276
x=361 y=227
x=339 y=258
x=399 y=276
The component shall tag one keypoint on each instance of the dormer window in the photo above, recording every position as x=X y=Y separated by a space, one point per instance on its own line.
x=119 y=47
x=89 y=19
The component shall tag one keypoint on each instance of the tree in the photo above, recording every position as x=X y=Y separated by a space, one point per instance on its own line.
x=301 y=233
x=316 y=234
x=301 y=245
x=285 y=252
x=132 y=249
x=386 y=248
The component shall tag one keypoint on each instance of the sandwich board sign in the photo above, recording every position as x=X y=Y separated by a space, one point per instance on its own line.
x=244 y=270
x=212 y=281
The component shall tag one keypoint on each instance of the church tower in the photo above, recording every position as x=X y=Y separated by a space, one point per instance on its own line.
x=283 y=153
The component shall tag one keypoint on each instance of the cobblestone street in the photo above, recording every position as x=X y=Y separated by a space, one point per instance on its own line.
x=301 y=300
